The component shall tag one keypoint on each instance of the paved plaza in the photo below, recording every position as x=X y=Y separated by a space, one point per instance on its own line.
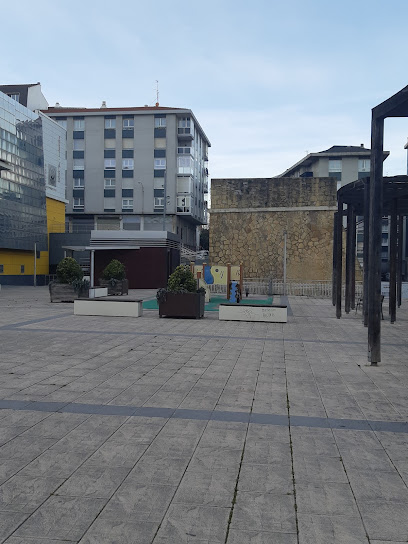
x=172 y=431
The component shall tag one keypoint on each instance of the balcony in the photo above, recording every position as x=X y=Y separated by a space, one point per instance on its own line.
x=205 y=185
x=185 y=133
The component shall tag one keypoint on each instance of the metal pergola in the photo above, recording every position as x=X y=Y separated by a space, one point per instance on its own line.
x=372 y=198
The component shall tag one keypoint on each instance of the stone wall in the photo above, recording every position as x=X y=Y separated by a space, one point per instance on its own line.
x=249 y=217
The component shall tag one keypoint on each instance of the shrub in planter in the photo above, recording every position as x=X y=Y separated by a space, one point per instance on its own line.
x=114 y=278
x=68 y=270
x=181 y=298
x=70 y=284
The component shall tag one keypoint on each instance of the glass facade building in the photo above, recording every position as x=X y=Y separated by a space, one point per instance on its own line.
x=23 y=218
x=32 y=189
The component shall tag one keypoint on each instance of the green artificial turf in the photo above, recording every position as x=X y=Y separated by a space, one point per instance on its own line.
x=212 y=306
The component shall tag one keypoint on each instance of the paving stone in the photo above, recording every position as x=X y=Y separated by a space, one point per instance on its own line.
x=258 y=537
x=9 y=521
x=123 y=532
x=23 y=493
x=321 y=529
x=100 y=482
x=264 y=512
x=325 y=498
x=62 y=518
x=133 y=501
x=266 y=479
x=187 y=524
x=313 y=468
x=117 y=454
x=208 y=488
x=385 y=519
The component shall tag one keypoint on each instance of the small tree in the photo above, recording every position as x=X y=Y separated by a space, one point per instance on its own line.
x=114 y=271
x=182 y=280
x=69 y=271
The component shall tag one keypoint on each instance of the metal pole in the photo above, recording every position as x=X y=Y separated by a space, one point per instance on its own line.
x=35 y=264
x=399 y=262
x=334 y=284
x=393 y=261
x=165 y=201
x=285 y=235
x=353 y=258
x=374 y=269
x=339 y=256
x=92 y=271
x=366 y=248
x=349 y=243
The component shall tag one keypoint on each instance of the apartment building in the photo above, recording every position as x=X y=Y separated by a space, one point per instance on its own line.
x=142 y=168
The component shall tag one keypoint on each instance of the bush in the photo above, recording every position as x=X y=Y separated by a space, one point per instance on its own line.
x=182 y=281
x=114 y=271
x=68 y=271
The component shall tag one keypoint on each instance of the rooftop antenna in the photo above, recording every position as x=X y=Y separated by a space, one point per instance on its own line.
x=157 y=93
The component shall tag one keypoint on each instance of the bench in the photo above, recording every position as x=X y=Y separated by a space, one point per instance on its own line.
x=110 y=307
x=253 y=312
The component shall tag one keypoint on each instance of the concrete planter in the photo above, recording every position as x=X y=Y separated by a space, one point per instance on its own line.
x=121 y=287
x=109 y=307
x=64 y=292
x=249 y=312
x=183 y=305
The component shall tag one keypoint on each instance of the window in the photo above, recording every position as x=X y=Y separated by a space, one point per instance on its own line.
x=160 y=143
x=79 y=164
x=160 y=122
x=127 y=203
x=78 y=203
x=1 y=268
x=79 y=124
x=22 y=269
x=159 y=201
x=15 y=96
x=110 y=123
x=62 y=123
x=110 y=143
x=160 y=164
x=184 y=150
x=110 y=164
x=185 y=165
x=79 y=145
x=364 y=165
x=184 y=122
x=128 y=123
x=110 y=183
x=127 y=164
x=183 y=204
x=79 y=183
x=334 y=165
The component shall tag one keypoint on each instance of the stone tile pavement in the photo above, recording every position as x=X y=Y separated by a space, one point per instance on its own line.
x=165 y=431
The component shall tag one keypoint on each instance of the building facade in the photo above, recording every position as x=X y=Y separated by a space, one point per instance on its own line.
x=135 y=169
x=32 y=190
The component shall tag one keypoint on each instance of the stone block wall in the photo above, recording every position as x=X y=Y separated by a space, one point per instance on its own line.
x=249 y=217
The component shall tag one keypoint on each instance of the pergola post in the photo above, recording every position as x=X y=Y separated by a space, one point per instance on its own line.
x=366 y=243
x=374 y=272
x=399 y=261
x=334 y=284
x=353 y=259
x=393 y=261
x=349 y=259
x=339 y=254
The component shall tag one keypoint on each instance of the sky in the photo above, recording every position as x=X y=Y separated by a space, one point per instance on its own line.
x=269 y=81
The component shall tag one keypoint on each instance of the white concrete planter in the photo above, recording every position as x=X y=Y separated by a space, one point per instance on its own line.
x=110 y=308
x=96 y=292
x=248 y=312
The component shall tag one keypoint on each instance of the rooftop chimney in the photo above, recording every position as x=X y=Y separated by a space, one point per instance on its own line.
x=57 y=105
x=103 y=104
x=361 y=145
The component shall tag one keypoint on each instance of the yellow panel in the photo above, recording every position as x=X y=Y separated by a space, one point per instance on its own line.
x=217 y=275
x=55 y=215
x=13 y=260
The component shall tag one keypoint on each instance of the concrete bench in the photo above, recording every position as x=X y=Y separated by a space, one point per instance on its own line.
x=253 y=312
x=111 y=307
